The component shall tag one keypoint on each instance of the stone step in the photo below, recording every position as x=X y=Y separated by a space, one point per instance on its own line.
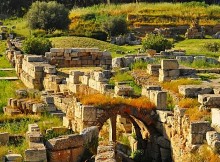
x=7 y=69
x=9 y=78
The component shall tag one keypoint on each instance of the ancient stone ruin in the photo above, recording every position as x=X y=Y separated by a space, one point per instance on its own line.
x=162 y=134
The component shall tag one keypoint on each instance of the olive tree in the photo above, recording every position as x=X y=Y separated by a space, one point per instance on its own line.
x=48 y=16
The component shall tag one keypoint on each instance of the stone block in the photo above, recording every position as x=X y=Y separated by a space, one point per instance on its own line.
x=4 y=138
x=169 y=64
x=195 y=139
x=34 y=137
x=38 y=107
x=211 y=137
x=200 y=58
x=89 y=134
x=124 y=90
x=34 y=58
x=99 y=76
x=200 y=127
x=146 y=90
x=66 y=122
x=88 y=113
x=215 y=113
x=33 y=128
x=56 y=50
x=174 y=73
x=188 y=59
x=159 y=98
x=193 y=91
x=162 y=115
x=50 y=69
x=65 y=142
x=48 y=99
x=13 y=158
x=210 y=100
x=117 y=62
x=36 y=155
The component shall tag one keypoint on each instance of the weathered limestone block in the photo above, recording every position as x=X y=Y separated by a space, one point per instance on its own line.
x=159 y=98
x=56 y=50
x=128 y=61
x=124 y=90
x=215 y=117
x=200 y=58
x=163 y=115
x=195 y=139
x=50 y=69
x=210 y=100
x=65 y=142
x=105 y=153
x=48 y=99
x=200 y=127
x=33 y=128
x=146 y=90
x=153 y=69
x=188 y=59
x=13 y=157
x=99 y=76
x=117 y=62
x=194 y=90
x=4 y=138
x=36 y=154
x=38 y=107
x=34 y=58
x=89 y=134
x=169 y=64
x=34 y=137
x=88 y=113
x=212 y=137
x=74 y=76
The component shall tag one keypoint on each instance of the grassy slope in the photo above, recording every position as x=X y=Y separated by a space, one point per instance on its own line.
x=67 y=42
x=195 y=46
x=160 y=13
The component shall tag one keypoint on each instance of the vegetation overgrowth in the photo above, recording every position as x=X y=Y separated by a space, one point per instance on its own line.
x=173 y=85
x=200 y=64
x=103 y=101
x=8 y=91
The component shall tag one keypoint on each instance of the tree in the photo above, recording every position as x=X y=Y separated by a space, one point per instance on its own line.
x=48 y=16
x=36 y=45
x=156 y=42
x=115 y=26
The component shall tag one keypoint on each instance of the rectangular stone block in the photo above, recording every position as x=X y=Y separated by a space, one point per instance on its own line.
x=210 y=100
x=195 y=139
x=4 y=138
x=146 y=90
x=34 y=58
x=56 y=50
x=88 y=113
x=194 y=90
x=36 y=154
x=159 y=98
x=168 y=64
x=215 y=112
x=200 y=127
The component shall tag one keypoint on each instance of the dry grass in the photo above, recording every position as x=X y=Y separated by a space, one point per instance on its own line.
x=173 y=85
x=100 y=100
x=188 y=103
x=195 y=114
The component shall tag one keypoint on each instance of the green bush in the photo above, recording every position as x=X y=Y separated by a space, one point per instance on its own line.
x=100 y=35
x=212 y=46
x=156 y=42
x=48 y=16
x=115 y=26
x=36 y=45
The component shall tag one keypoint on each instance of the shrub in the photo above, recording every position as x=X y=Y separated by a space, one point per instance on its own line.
x=212 y=46
x=156 y=42
x=188 y=103
x=115 y=26
x=36 y=45
x=48 y=16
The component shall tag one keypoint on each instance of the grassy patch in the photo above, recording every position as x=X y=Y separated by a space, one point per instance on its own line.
x=200 y=64
x=83 y=42
x=3 y=61
x=195 y=114
x=7 y=73
x=188 y=103
x=173 y=85
x=8 y=90
x=196 y=47
x=139 y=65
x=207 y=76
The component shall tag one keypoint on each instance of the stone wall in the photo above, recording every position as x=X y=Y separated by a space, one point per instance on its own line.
x=78 y=57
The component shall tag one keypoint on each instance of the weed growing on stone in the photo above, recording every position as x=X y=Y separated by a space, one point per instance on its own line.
x=188 y=103
x=173 y=85
x=200 y=64
x=195 y=114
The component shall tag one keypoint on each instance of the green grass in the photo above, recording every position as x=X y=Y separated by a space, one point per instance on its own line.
x=83 y=42
x=8 y=91
x=7 y=73
x=200 y=64
x=152 y=13
x=3 y=61
x=21 y=24
x=196 y=47
x=207 y=76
